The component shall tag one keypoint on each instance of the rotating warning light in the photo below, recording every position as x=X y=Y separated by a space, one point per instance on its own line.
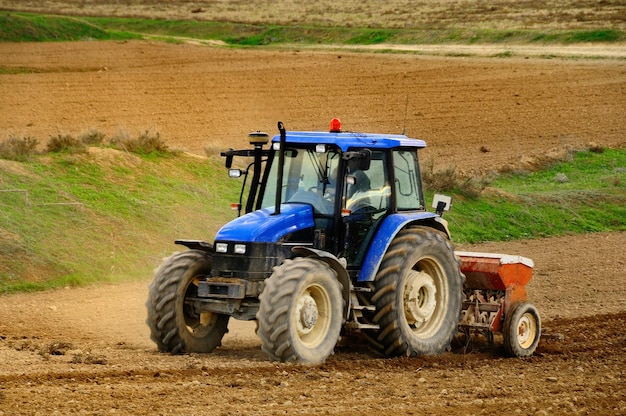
x=335 y=125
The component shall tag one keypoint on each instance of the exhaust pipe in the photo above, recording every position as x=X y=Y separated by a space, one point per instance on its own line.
x=281 y=162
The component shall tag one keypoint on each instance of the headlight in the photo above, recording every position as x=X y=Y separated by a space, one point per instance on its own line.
x=221 y=248
x=240 y=249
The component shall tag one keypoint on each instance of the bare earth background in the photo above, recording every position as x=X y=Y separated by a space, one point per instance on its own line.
x=87 y=350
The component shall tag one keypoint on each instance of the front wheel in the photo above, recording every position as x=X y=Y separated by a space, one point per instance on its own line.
x=418 y=294
x=174 y=325
x=301 y=312
x=522 y=330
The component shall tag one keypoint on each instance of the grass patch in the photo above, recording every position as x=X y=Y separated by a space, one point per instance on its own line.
x=582 y=36
x=92 y=137
x=265 y=34
x=371 y=37
x=65 y=143
x=18 y=148
x=146 y=143
x=25 y=27
x=585 y=194
x=103 y=215
x=13 y=71
x=449 y=180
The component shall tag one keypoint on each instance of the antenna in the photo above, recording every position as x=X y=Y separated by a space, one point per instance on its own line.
x=406 y=111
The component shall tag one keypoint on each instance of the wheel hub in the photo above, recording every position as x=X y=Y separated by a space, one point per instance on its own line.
x=525 y=331
x=419 y=297
x=307 y=313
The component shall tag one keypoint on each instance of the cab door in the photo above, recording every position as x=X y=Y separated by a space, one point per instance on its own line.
x=366 y=198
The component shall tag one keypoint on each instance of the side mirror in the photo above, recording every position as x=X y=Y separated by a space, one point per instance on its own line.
x=365 y=158
x=229 y=161
x=442 y=203
x=229 y=158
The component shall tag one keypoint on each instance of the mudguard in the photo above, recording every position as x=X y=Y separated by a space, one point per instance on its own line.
x=196 y=245
x=386 y=233
x=337 y=265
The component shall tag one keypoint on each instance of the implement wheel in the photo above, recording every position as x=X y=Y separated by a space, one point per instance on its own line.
x=174 y=326
x=522 y=330
x=418 y=294
x=301 y=312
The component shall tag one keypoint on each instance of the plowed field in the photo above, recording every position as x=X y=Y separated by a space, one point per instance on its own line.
x=87 y=350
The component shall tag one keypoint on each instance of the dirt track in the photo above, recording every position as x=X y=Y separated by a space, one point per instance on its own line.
x=87 y=350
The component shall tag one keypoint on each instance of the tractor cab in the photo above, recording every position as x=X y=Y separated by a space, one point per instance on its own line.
x=337 y=188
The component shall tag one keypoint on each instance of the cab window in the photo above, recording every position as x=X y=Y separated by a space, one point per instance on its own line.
x=407 y=180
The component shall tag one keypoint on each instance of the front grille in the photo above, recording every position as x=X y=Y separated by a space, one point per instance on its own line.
x=255 y=264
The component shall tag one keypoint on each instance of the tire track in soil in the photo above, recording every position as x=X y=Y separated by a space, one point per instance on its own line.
x=589 y=370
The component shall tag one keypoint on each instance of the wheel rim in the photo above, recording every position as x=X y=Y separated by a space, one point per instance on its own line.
x=198 y=325
x=312 y=315
x=526 y=330
x=419 y=297
x=424 y=298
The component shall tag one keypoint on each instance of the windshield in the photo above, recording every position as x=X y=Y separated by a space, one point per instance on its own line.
x=309 y=177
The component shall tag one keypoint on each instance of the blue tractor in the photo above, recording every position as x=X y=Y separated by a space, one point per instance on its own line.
x=333 y=238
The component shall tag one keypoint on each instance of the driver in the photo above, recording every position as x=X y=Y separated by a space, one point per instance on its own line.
x=362 y=180
x=357 y=195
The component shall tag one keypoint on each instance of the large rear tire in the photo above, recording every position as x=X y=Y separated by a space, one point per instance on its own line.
x=301 y=312
x=418 y=294
x=174 y=326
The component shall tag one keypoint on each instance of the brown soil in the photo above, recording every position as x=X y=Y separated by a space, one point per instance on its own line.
x=87 y=350
x=474 y=113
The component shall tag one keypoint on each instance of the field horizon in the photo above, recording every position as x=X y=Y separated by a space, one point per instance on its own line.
x=400 y=14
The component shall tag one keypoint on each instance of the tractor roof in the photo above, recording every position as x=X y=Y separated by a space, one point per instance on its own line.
x=347 y=140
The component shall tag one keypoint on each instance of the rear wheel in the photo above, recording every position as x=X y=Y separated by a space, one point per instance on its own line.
x=418 y=294
x=301 y=312
x=522 y=330
x=174 y=325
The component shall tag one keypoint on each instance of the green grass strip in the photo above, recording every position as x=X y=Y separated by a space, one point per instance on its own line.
x=582 y=195
x=28 y=27
x=20 y=27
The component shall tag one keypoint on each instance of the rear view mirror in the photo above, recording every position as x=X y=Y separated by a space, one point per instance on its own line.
x=229 y=158
x=363 y=157
x=442 y=203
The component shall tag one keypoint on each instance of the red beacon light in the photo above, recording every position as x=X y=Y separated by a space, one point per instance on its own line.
x=335 y=125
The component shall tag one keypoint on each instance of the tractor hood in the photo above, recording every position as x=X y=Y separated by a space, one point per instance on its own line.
x=263 y=226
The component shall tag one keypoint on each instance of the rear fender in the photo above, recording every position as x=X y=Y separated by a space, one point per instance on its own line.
x=335 y=264
x=386 y=233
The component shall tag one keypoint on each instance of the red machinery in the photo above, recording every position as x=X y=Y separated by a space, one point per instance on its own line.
x=496 y=301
